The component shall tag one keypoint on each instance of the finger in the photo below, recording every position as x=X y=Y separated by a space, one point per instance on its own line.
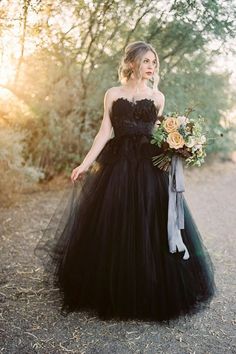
x=73 y=176
x=76 y=175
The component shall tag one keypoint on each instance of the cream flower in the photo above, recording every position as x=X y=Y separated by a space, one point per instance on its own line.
x=191 y=142
x=170 y=124
x=182 y=120
x=203 y=139
x=175 y=140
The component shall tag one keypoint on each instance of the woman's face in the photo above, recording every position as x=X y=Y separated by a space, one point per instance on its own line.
x=148 y=65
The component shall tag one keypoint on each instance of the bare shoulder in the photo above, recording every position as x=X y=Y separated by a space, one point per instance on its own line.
x=112 y=93
x=159 y=98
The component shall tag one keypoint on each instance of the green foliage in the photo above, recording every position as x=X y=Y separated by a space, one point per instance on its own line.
x=16 y=174
x=207 y=94
x=75 y=58
x=159 y=135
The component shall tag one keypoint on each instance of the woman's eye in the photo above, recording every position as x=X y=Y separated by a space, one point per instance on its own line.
x=146 y=61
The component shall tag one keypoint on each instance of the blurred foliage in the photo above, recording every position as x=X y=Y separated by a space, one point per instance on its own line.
x=77 y=46
x=17 y=172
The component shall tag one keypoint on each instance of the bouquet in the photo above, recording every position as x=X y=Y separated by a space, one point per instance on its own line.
x=179 y=135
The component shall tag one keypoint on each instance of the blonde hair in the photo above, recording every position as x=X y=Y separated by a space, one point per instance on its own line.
x=134 y=53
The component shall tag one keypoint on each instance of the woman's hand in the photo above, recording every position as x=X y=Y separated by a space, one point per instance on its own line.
x=78 y=172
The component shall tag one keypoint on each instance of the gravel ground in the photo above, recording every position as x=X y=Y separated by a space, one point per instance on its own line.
x=31 y=321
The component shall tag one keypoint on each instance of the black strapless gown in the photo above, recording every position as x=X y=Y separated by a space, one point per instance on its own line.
x=107 y=250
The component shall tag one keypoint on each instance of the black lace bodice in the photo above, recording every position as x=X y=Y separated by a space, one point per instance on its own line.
x=133 y=123
x=137 y=117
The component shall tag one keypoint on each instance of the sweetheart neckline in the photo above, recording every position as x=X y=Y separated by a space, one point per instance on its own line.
x=134 y=102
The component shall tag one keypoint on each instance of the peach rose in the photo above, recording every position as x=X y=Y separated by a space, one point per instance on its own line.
x=175 y=140
x=170 y=124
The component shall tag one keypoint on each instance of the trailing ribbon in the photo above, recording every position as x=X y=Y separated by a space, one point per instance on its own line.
x=175 y=207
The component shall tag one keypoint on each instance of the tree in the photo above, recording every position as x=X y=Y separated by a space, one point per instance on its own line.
x=74 y=54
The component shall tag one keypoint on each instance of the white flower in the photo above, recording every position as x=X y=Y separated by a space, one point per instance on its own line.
x=197 y=147
x=182 y=120
x=191 y=142
x=203 y=139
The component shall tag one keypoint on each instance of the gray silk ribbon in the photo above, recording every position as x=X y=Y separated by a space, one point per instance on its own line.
x=176 y=207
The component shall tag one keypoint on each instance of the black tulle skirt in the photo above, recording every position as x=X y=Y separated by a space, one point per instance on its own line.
x=106 y=249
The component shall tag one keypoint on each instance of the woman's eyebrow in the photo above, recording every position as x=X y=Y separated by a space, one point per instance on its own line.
x=149 y=59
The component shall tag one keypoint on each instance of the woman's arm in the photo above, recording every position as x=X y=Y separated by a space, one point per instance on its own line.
x=160 y=98
x=103 y=135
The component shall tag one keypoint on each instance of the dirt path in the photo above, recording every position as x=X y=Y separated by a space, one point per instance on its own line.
x=31 y=322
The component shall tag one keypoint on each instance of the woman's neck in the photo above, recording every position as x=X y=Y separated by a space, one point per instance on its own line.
x=133 y=85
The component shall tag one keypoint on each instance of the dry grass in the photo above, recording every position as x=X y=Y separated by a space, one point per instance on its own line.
x=31 y=321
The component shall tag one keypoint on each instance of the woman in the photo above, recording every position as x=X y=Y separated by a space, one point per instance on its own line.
x=110 y=254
